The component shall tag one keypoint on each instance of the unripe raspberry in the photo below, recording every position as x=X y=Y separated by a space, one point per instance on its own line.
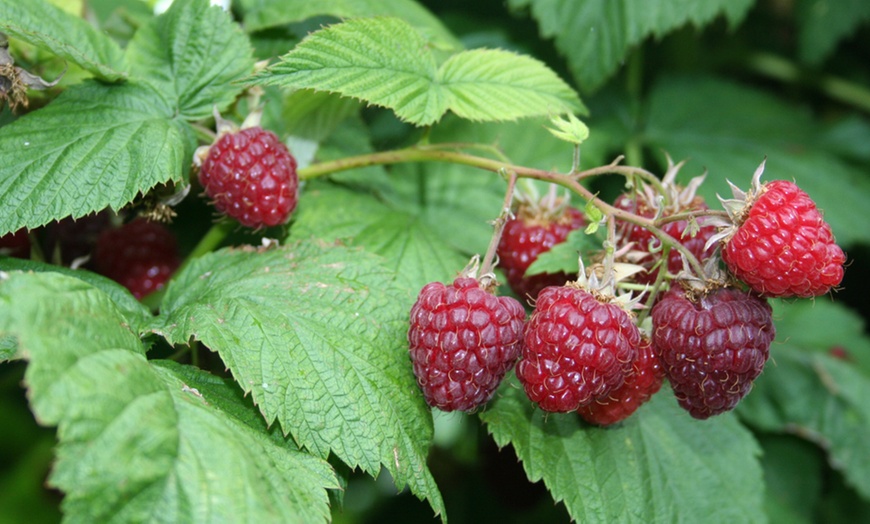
x=712 y=347
x=640 y=385
x=781 y=245
x=532 y=232
x=251 y=176
x=577 y=348
x=139 y=255
x=462 y=341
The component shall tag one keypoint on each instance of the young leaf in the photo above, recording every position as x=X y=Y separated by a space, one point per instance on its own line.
x=317 y=336
x=136 y=440
x=39 y=23
x=814 y=395
x=650 y=468
x=96 y=146
x=193 y=53
x=733 y=135
x=261 y=14
x=386 y=62
x=596 y=35
x=563 y=257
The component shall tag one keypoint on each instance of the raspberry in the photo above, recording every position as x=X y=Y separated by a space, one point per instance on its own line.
x=462 y=341
x=712 y=347
x=577 y=348
x=15 y=244
x=640 y=385
x=527 y=236
x=251 y=176
x=140 y=255
x=68 y=239
x=644 y=240
x=782 y=246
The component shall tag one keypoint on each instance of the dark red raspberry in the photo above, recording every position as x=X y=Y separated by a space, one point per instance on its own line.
x=140 y=255
x=463 y=340
x=712 y=347
x=15 y=244
x=640 y=385
x=782 y=246
x=251 y=176
x=525 y=238
x=577 y=348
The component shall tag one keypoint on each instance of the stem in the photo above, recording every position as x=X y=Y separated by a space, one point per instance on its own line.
x=626 y=171
x=634 y=88
x=657 y=285
x=689 y=215
x=210 y=240
x=836 y=88
x=498 y=226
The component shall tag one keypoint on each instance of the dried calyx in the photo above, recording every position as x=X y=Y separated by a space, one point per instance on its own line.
x=15 y=81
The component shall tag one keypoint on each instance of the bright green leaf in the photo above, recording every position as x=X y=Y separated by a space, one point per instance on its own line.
x=137 y=440
x=193 y=53
x=823 y=24
x=806 y=391
x=96 y=146
x=563 y=257
x=386 y=62
x=570 y=129
x=596 y=35
x=729 y=129
x=260 y=14
x=39 y=23
x=136 y=313
x=316 y=335
x=660 y=465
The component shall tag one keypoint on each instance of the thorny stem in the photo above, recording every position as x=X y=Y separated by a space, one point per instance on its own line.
x=498 y=225
x=689 y=215
x=626 y=171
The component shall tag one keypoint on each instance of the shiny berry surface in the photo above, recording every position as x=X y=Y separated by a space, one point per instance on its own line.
x=576 y=349
x=139 y=255
x=784 y=247
x=462 y=340
x=251 y=176
x=712 y=348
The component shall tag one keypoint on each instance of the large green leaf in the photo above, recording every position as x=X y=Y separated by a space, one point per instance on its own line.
x=596 y=35
x=260 y=14
x=387 y=62
x=729 y=129
x=39 y=23
x=138 y=441
x=823 y=23
x=314 y=332
x=807 y=391
x=96 y=146
x=660 y=465
x=193 y=53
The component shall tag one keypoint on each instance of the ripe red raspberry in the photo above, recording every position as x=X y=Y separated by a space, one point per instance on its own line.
x=782 y=246
x=15 y=244
x=525 y=237
x=712 y=347
x=140 y=255
x=646 y=242
x=577 y=348
x=462 y=341
x=640 y=385
x=251 y=176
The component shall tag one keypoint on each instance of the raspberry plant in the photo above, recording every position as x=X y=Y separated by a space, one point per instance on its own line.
x=272 y=379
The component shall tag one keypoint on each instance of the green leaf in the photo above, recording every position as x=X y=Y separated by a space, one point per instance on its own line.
x=39 y=23
x=138 y=440
x=729 y=129
x=386 y=62
x=136 y=313
x=315 y=115
x=563 y=257
x=822 y=24
x=414 y=251
x=260 y=14
x=193 y=54
x=660 y=465
x=793 y=474
x=805 y=391
x=596 y=35
x=317 y=336
x=96 y=146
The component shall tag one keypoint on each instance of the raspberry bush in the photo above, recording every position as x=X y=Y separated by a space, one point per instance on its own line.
x=233 y=241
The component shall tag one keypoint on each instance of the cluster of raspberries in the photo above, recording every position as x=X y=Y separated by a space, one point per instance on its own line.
x=581 y=351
